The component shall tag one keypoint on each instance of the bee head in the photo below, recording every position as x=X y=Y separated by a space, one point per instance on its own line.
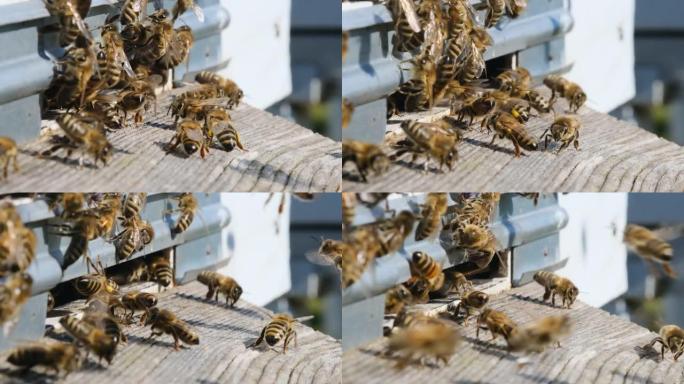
x=190 y=147
x=150 y=300
x=237 y=292
x=272 y=339
x=417 y=256
x=579 y=98
x=229 y=145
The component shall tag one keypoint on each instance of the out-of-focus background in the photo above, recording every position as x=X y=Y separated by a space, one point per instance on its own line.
x=286 y=56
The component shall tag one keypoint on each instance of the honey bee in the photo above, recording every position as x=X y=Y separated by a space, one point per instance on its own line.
x=477 y=211
x=15 y=291
x=474 y=107
x=422 y=265
x=227 y=87
x=347 y=112
x=417 y=93
x=460 y=23
x=475 y=237
x=8 y=153
x=471 y=302
x=17 y=242
x=473 y=63
x=131 y=10
x=495 y=10
x=178 y=50
x=554 y=284
x=71 y=204
x=166 y=322
x=136 y=271
x=497 y=323
x=454 y=282
x=348 y=208
x=70 y=15
x=137 y=97
x=515 y=8
x=98 y=315
x=391 y=233
x=135 y=235
x=671 y=338
x=430 y=140
x=133 y=204
x=281 y=327
x=397 y=298
x=358 y=252
x=647 y=245
x=138 y=301
x=535 y=337
x=366 y=157
x=183 y=6
x=419 y=288
x=112 y=59
x=507 y=126
x=424 y=341
x=572 y=92
x=536 y=100
x=84 y=136
x=434 y=208
x=71 y=75
x=189 y=134
x=56 y=355
x=187 y=205
x=218 y=283
x=93 y=284
x=564 y=130
x=94 y=338
x=513 y=79
x=159 y=266
x=407 y=25
x=160 y=35
x=332 y=250
x=219 y=123
x=85 y=229
x=406 y=319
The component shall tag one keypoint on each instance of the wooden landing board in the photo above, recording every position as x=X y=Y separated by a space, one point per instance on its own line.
x=601 y=349
x=221 y=356
x=613 y=156
x=281 y=156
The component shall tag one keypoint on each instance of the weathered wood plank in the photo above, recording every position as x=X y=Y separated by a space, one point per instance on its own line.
x=613 y=156
x=602 y=348
x=221 y=357
x=280 y=156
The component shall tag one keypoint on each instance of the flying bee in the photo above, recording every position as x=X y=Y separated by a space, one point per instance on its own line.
x=99 y=314
x=82 y=135
x=218 y=283
x=366 y=157
x=183 y=6
x=187 y=206
x=407 y=319
x=422 y=265
x=331 y=251
x=505 y=126
x=57 y=355
x=397 y=298
x=572 y=92
x=218 y=123
x=227 y=87
x=407 y=26
x=430 y=140
x=70 y=15
x=363 y=245
x=671 y=338
x=159 y=266
x=650 y=247
x=434 y=208
x=8 y=153
x=471 y=303
x=135 y=235
x=348 y=208
x=15 y=291
x=423 y=341
x=497 y=323
x=161 y=34
x=281 y=327
x=166 y=322
x=138 y=301
x=94 y=338
x=564 y=130
x=535 y=337
x=554 y=284
x=189 y=134
x=178 y=50
x=347 y=112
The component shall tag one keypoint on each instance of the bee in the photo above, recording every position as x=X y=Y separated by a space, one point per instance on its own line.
x=348 y=208
x=218 y=283
x=347 y=112
x=507 y=126
x=187 y=205
x=17 y=242
x=166 y=322
x=671 y=338
x=454 y=282
x=564 y=130
x=471 y=302
x=84 y=229
x=572 y=92
x=424 y=341
x=8 y=153
x=417 y=93
x=57 y=355
x=554 y=284
x=477 y=211
x=183 y=6
x=535 y=337
x=136 y=271
x=138 y=97
x=474 y=107
x=407 y=25
x=112 y=59
x=475 y=237
x=133 y=204
x=361 y=247
x=422 y=265
x=513 y=79
x=281 y=327
x=473 y=62
x=159 y=266
x=227 y=87
x=406 y=319
x=647 y=245
x=219 y=123
x=138 y=301
x=535 y=100
x=331 y=251
x=160 y=35
x=460 y=23
x=178 y=50
x=71 y=75
x=434 y=208
x=13 y=294
x=93 y=284
x=70 y=15
x=136 y=234
x=495 y=10
x=430 y=140
x=189 y=134
x=496 y=322
x=82 y=135
x=419 y=288
x=515 y=8
x=390 y=234
x=131 y=10
x=94 y=338
x=97 y=314
x=366 y=157
x=107 y=212
x=397 y=298
x=71 y=204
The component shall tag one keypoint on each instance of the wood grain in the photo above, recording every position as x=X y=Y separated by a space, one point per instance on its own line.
x=221 y=357
x=602 y=348
x=280 y=156
x=613 y=156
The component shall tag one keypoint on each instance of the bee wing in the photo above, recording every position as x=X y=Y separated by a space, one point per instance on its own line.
x=670 y=232
x=197 y=10
x=195 y=134
x=409 y=10
x=79 y=21
x=304 y=318
x=121 y=59
x=318 y=258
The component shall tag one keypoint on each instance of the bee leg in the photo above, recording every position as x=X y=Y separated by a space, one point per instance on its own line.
x=553 y=298
x=547 y=293
x=7 y=161
x=662 y=352
x=260 y=339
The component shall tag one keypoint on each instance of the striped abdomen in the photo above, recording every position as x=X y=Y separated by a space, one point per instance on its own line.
x=29 y=356
x=133 y=204
x=160 y=268
x=77 y=247
x=183 y=331
x=425 y=266
x=184 y=221
x=229 y=137
x=495 y=11
x=428 y=225
x=545 y=278
x=277 y=329
x=89 y=285
x=537 y=101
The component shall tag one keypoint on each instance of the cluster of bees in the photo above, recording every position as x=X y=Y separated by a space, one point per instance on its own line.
x=97 y=86
x=448 y=43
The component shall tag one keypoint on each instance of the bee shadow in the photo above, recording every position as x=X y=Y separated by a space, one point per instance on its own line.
x=163 y=146
x=159 y=124
x=399 y=364
x=69 y=161
x=158 y=340
x=237 y=308
x=417 y=167
x=493 y=147
x=541 y=379
x=28 y=376
x=647 y=352
x=489 y=348
x=222 y=327
x=534 y=300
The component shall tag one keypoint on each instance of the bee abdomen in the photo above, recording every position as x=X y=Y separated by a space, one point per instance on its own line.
x=87 y=286
x=228 y=138
x=184 y=221
x=164 y=275
x=207 y=278
x=184 y=333
x=28 y=356
x=77 y=247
